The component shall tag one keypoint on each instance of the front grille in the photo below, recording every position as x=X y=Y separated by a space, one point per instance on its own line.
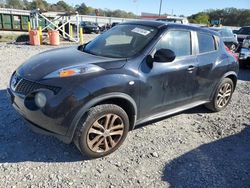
x=25 y=87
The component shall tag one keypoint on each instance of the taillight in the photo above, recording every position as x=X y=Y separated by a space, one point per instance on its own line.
x=236 y=56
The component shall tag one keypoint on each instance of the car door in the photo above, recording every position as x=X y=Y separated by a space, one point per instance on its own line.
x=169 y=85
x=211 y=64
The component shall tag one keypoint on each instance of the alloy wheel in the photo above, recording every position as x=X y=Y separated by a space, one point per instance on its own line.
x=105 y=133
x=224 y=95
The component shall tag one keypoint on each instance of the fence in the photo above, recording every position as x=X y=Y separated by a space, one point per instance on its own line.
x=14 y=19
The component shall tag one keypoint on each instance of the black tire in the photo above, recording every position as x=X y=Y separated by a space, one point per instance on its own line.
x=95 y=114
x=213 y=105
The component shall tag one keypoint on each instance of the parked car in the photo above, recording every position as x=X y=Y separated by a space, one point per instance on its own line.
x=105 y=27
x=235 y=31
x=246 y=42
x=245 y=53
x=136 y=72
x=174 y=19
x=228 y=38
x=89 y=27
x=244 y=57
x=114 y=24
x=242 y=34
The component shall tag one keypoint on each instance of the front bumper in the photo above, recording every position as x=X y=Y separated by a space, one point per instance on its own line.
x=37 y=120
x=55 y=118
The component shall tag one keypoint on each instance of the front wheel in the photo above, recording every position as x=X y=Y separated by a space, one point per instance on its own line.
x=222 y=95
x=102 y=131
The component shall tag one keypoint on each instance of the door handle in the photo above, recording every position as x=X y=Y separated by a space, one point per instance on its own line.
x=190 y=68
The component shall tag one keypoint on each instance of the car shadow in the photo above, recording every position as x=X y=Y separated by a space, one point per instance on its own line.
x=19 y=144
x=244 y=74
x=222 y=163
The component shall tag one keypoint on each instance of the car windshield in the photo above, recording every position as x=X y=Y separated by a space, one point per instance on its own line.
x=244 y=31
x=122 y=41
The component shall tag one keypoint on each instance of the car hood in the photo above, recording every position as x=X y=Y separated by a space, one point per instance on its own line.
x=41 y=65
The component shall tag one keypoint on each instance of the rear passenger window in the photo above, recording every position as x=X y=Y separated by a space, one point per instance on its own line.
x=206 y=43
x=177 y=41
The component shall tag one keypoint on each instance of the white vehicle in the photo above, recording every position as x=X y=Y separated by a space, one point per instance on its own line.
x=174 y=19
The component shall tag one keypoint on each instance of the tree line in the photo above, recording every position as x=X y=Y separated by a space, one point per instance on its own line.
x=227 y=16
x=62 y=6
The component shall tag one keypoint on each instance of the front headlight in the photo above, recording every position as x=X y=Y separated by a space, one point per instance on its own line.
x=75 y=70
x=40 y=99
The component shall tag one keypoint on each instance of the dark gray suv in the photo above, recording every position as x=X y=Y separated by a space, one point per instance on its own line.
x=133 y=73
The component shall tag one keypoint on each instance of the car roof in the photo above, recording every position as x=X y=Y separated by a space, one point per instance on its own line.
x=218 y=28
x=165 y=25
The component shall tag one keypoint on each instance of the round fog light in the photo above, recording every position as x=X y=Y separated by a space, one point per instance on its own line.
x=40 y=99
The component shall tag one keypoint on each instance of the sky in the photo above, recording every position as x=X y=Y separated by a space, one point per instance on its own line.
x=178 y=7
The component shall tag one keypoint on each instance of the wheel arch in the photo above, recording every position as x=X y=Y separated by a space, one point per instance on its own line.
x=123 y=100
x=232 y=75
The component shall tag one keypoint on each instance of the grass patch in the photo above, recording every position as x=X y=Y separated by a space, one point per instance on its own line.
x=8 y=38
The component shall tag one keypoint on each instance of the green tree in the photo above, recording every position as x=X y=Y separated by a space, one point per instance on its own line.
x=228 y=16
x=63 y=6
x=26 y=5
x=16 y=4
x=82 y=9
x=41 y=4
x=200 y=18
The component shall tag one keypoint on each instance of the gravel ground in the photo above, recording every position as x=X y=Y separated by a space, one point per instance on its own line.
x=195 y=148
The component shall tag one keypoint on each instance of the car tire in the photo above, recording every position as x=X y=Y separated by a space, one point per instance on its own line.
x=222 y=96
x=102 y=130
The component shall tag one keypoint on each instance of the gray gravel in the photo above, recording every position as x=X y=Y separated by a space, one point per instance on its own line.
x=195 y=148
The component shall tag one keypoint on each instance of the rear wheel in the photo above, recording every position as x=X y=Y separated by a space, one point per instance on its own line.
x=222 y=95
x=103 y=131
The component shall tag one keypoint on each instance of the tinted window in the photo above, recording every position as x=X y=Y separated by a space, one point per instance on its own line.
x=206 y=43
x=177 y=41
x=244 y=31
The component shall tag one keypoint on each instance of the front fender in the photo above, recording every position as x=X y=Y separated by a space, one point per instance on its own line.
x=93 y=102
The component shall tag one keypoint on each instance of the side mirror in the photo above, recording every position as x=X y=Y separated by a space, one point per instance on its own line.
x=164 y=55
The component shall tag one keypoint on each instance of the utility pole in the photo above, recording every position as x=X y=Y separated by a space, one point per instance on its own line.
x=160 y=8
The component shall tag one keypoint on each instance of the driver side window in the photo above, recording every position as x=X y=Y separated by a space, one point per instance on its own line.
x=177 y=41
